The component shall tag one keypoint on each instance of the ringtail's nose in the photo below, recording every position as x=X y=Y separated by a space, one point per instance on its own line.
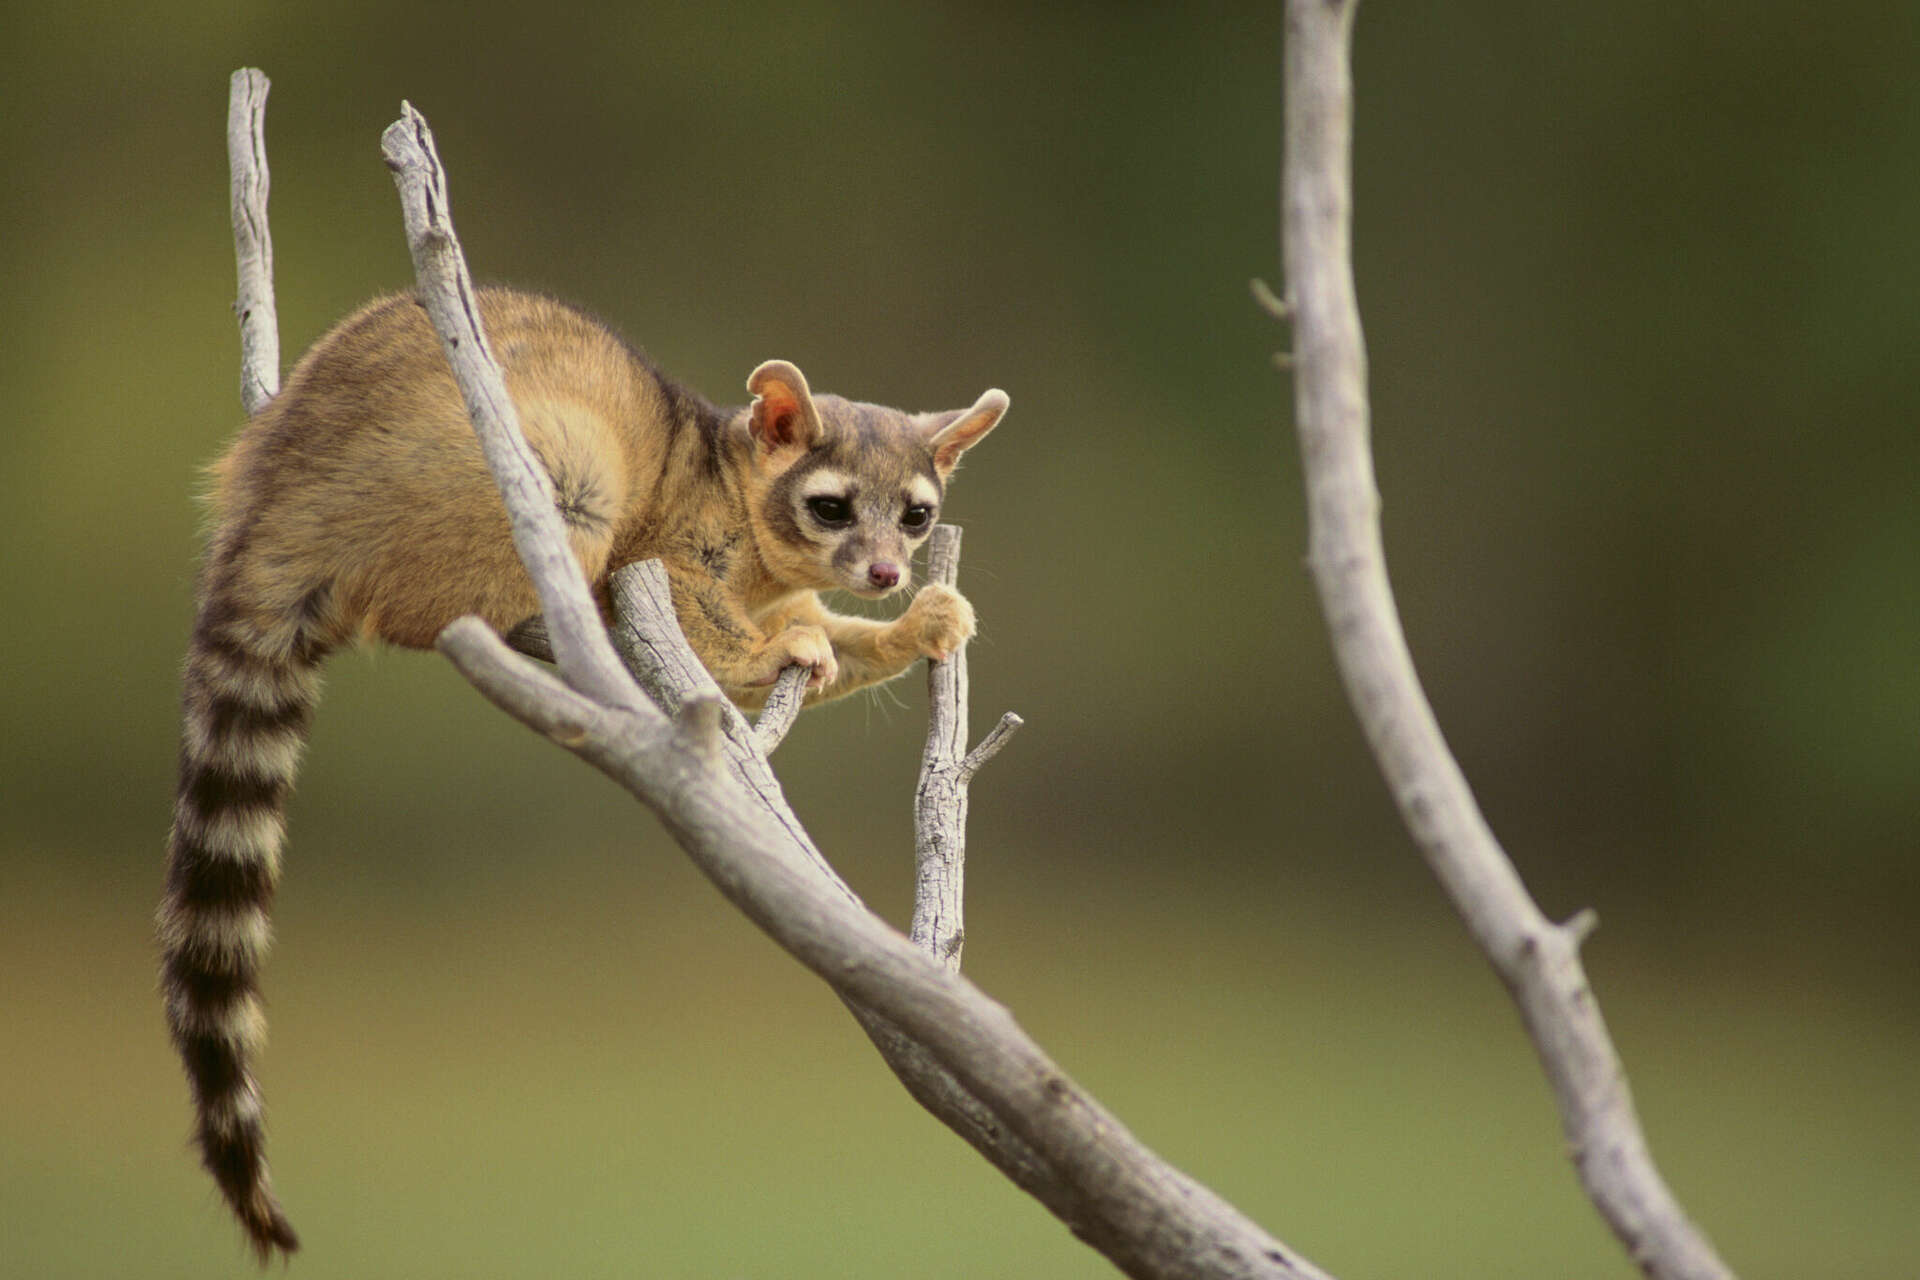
x=883 y=574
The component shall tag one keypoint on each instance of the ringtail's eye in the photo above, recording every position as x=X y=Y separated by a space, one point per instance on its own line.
x=917 y=516
x=833 y=512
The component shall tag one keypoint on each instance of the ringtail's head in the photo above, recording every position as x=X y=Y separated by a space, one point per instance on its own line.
x=840 y=494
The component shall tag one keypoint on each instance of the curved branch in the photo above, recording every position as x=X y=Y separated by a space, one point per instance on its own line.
x=1148 y=1217
x=1538 y=959
x=529 y=693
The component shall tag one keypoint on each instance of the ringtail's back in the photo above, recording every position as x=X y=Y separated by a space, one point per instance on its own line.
x=356 y=504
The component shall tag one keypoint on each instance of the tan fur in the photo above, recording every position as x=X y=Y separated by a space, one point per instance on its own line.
x=357 y=504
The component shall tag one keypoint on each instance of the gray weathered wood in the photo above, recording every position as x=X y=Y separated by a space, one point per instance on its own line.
x=777 y=714
x=1537 y=959
x=252 y=243
x=581 y=648
x=1149 y=1218
x=781 y=709
x=946 y=770
x=650 y=640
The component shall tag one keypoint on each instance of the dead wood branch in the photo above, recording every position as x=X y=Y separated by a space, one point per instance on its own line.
x=252 y=244
x=1537 y=959
x=1149 y=1218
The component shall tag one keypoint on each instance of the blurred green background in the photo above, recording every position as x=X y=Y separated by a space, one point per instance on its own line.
x=1640 y=286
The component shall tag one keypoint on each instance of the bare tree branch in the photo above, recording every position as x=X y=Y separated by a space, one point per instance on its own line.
x=650 y=641
x=649 y=638
x=1537 y=959
x=946 y=769
x=252 y=245
x=580 y=643
x=781 y=709
x=1149 y=1218
x=528 y=692
x=989 y=747
x=681 y=675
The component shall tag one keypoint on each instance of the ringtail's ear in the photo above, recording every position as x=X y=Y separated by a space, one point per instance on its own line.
x=782 y=415
x=951 y=434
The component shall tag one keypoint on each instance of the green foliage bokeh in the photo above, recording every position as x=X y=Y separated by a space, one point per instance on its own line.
x=1639 y=289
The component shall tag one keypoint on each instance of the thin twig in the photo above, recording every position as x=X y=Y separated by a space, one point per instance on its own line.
x=989 y=747
x=946 y=769
x=1268 y=301
x=1538 y=960
x=252 y=241
x=781 y=709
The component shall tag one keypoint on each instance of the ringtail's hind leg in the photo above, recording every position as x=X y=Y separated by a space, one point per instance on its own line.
x=428 y=567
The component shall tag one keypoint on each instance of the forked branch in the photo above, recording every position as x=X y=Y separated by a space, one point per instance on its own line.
x=1538 y=960
x=946 y=771
x=959 y=1052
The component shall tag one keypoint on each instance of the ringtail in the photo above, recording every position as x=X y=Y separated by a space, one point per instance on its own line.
x=356 y=505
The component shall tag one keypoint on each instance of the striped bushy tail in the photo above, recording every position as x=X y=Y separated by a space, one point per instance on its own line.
x=251 y=684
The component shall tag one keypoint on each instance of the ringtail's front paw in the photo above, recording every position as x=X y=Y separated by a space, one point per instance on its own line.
x=805 y=646
x=938 y=621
